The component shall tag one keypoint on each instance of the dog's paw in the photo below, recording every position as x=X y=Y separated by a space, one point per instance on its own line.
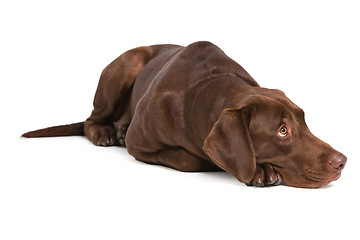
x=121 y=134
x=104 y=136
x=265 y=175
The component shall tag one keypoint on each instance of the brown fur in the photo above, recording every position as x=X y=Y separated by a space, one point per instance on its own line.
x=195 y=109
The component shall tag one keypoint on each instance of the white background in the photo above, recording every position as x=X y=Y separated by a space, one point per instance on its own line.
x=52 y=54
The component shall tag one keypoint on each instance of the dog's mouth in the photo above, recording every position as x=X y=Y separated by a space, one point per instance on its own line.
x=311 y=178
x=338 y=175
x=316 y=178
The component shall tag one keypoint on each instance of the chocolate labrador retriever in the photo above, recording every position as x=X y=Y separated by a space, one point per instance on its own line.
x=195 y=109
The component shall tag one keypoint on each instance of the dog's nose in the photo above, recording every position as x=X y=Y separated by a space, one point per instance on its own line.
x=338 y=162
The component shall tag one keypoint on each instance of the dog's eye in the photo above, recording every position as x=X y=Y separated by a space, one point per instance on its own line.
x=283 y=131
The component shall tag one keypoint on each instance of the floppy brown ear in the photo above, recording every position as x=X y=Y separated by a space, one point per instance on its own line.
x=229 y=144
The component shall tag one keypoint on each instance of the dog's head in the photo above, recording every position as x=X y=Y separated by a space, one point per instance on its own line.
x=266 y=127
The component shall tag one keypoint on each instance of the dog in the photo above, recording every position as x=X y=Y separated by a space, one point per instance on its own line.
x=194 y=109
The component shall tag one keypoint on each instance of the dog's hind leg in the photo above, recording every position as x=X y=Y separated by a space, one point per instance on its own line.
x=113 y=93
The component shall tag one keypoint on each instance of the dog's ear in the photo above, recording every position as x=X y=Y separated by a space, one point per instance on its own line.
x=229 y=144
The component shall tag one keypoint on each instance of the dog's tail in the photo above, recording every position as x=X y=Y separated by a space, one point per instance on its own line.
x=75 y=129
